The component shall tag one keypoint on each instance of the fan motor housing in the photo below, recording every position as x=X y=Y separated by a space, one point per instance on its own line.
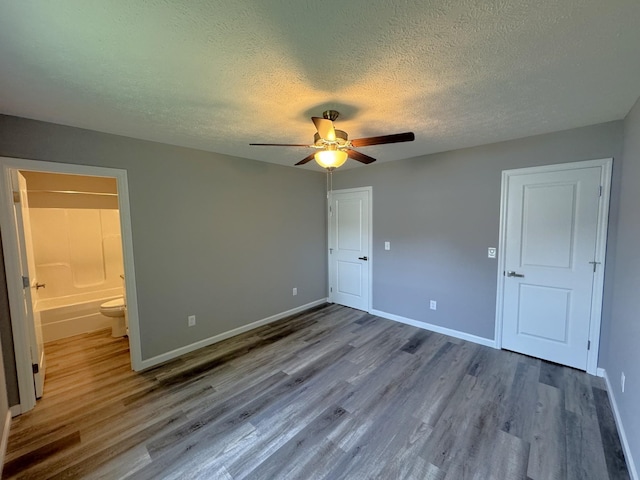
x=341 y=138
x=331 y=115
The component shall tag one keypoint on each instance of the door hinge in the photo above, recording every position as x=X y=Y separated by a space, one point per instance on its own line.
x=35 y=368
x=330 y=289
x=25 y=282
x=16 y=197
x=600 y=191
x=588 y=344
x=595 y=264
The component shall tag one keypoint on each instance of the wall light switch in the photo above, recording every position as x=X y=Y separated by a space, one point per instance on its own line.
x=491 y=252
x=387 y=245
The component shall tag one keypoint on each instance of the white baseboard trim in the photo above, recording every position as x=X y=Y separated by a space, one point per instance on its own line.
x=5 y=436
x=153 y=361
x=436 y=328
x=623 y=436
x=15 y=410
x=600 y=372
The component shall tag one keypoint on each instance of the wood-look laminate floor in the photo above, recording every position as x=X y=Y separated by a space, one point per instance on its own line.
x=332 y=393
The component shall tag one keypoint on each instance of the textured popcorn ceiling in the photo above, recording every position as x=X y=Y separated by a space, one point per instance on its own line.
x=216 y=74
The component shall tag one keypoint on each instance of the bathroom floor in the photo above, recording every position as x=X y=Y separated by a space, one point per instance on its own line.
x=331 y=393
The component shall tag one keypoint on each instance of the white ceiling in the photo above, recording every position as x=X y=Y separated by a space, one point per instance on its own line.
x=219 y=74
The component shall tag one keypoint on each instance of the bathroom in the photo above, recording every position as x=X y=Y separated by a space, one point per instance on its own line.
x=77 y=252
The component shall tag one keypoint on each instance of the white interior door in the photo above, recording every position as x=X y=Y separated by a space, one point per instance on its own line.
x=30 y=290
x=349 y=255
x=550 y=249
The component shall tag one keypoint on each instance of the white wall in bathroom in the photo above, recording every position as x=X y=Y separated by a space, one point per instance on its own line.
x=78 y=256
x=76 y=251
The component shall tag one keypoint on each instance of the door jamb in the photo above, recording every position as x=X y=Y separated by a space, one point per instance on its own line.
x=11 y=254
x=606 y=165
x=369 y=191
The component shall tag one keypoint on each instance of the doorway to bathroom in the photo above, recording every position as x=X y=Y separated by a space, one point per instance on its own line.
x=66 y=232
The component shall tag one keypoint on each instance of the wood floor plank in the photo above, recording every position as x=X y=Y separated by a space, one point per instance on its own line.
x=552 y=374
x=507 y=459
x=585 y=451
x=27 y=460
x=292 y=458
x=408 y=464
x=547 y=456
x=521 y=399
x=123 y=464
x=330 y=393
x=441 y=380
x=613 y=451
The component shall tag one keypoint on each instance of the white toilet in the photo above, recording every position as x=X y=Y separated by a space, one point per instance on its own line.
x=117 y=311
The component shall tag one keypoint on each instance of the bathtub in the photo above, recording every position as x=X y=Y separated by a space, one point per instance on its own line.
x=63 y=317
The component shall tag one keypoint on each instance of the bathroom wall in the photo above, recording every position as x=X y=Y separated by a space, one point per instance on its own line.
x=77 y=246
x=76 y=251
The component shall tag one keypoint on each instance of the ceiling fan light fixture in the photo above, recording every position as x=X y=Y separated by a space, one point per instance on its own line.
x=334 y=145
x=331 y=158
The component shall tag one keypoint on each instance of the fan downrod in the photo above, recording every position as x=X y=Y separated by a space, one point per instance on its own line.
x=331 y=114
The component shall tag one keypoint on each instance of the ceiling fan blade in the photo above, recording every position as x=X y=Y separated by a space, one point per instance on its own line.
x=325 y=128
x=395 y=138
x=360 y=157
x=280 y=144
x=306 y=159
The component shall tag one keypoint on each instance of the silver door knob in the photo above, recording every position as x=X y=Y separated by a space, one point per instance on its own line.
x=511 y=273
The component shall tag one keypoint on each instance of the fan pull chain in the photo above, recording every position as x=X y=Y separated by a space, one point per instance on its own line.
x=329 y=181
x=327 y=184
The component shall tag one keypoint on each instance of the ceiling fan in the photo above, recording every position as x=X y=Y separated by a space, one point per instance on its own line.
x=334 y=147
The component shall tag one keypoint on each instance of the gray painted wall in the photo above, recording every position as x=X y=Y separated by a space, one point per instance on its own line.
x=623 y=354
x=219 y=237
x=440 y=212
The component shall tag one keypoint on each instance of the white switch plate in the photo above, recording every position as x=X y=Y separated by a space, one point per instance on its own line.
x=295 y=291
x=192 y=320
x=433 y=304
x=491 y=252
x=387 y=245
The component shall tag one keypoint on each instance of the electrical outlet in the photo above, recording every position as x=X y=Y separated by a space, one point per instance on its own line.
x=191 y=320
x=622 y=380
x=433 y=305
x=387 y=245
x=295 y=291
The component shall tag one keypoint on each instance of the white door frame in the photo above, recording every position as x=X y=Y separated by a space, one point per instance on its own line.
x=369 y=190
x=12 y=266
x=606 y=166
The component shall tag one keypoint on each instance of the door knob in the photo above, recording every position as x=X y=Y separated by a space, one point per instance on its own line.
x=515 y=274
x=363 y=258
